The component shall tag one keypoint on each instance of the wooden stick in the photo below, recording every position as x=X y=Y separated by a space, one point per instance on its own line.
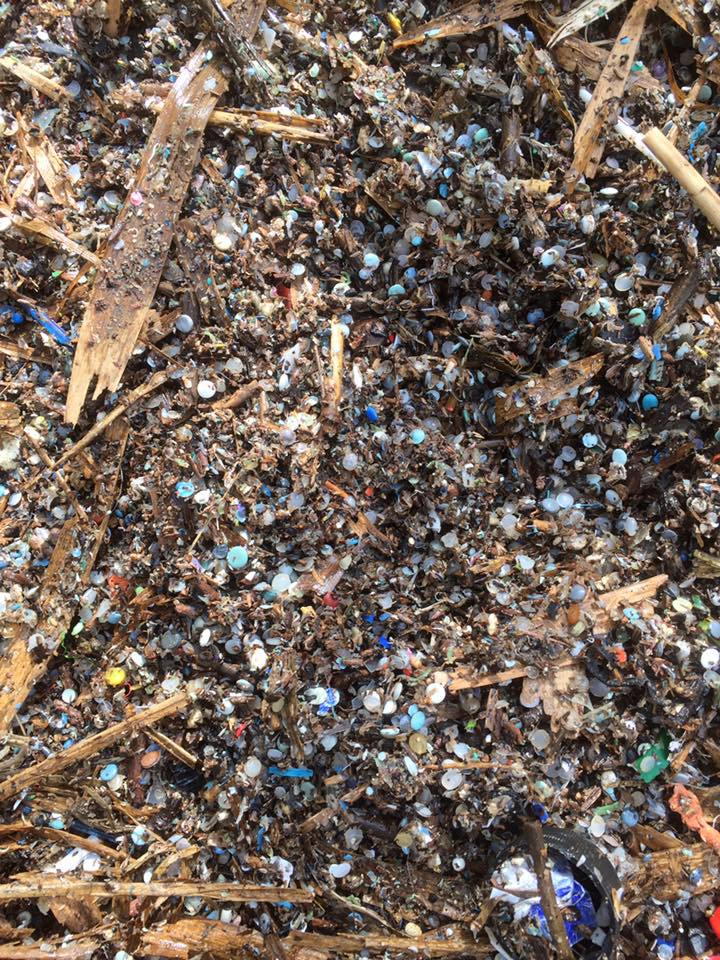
x=225 y=941
x=699 y=190
x=490 y=679
x=101 y=889
x=64 y=836
x=469 y=18
x=337 y=352
x=538 y=851
x=180 y=753
x=50 y=234
x=91 y=746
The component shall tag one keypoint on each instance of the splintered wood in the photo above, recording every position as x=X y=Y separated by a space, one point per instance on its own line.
x=90 y=746
x=604 y=107
x=534 y=395
x=225 y=941
x=139 y=242
x=20 y=666
x=39 y=81
x=469 y=18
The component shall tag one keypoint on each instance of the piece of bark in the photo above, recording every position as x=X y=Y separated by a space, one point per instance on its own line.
x=113 y=12
x=239 y=397
x=656 y=840
x=705 y=566
x=575 y=54
x=697 y=187
x=538 y=852
x=50 y=886
x=140 y=239
x=537 y=393
x=604 y=107
x=665 y=875
x=107 y=504
x=469 y=18
x=45 y=160
x=91 y=745
x=225 y=941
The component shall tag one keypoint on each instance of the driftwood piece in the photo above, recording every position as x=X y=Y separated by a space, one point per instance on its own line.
x=469 y=18
x=699 y=190
x=50 y=886
x=574 y=54
x=665 y=875
x=91 y=746
x=604 y=107
x=534 y=394
x=139 y=242
x=224 y=941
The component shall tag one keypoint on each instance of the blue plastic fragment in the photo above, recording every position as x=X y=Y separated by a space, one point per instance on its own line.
x=299 y=773
x=54 y=329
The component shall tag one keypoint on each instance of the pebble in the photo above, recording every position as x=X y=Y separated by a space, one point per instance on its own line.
x=237 y=558
x=413 y=930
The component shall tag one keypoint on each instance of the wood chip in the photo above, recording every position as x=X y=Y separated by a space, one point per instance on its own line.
x=537 y=393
